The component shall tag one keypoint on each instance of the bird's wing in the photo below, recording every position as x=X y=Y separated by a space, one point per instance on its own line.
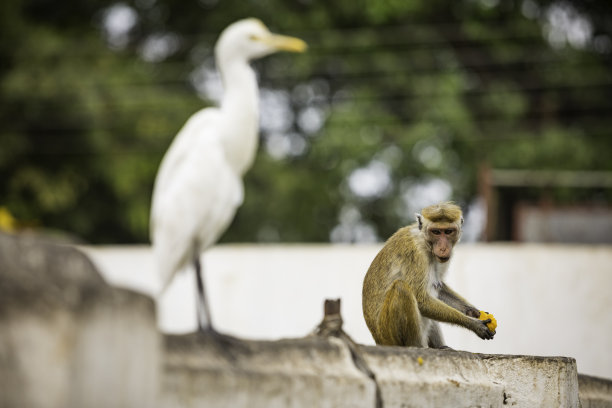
x=196 y=196
x=200 y=124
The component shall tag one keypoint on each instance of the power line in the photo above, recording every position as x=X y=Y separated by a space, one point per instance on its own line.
x=177 y=73
x=345 y=40
x=585 y=84
x=588 y=121
x=506 y=134
x=408 y=32
x=546 y=69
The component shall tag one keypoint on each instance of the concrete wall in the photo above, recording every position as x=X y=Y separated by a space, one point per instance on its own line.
x=550 y=300
x=594 y=392
x=320 y=372
x=67 y=339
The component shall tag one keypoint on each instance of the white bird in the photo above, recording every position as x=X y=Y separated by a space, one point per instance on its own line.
x=199 y=187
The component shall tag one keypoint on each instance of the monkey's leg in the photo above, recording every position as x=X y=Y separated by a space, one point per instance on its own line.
x=204 y=320
x=435 y=339
x=399 y=322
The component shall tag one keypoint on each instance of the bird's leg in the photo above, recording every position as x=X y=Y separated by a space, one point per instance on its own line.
x=226 y=344
x=204 y=320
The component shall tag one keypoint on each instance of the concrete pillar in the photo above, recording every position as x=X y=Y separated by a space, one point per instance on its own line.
x=67 y=339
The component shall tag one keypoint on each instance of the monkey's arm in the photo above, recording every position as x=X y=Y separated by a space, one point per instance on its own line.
x=454 y=300
x=435 y=309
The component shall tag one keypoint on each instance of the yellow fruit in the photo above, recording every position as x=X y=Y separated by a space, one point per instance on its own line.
x=420 y=360
x=493 y=324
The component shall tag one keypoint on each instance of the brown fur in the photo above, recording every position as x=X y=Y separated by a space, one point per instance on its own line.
x=443 y=212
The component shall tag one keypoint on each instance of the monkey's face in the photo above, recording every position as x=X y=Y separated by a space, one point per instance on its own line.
x=442 y=238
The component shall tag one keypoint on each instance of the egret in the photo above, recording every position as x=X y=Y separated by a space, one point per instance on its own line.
x=199 y=187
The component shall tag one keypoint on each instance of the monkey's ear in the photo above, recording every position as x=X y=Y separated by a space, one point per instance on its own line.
x=419 y=219
x=462 y=221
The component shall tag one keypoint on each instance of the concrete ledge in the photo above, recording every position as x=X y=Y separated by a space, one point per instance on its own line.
x=595 y=392
x=410 y=377
x=202 y=371
x=446 y=377
x=534 y=381
x=68 y=339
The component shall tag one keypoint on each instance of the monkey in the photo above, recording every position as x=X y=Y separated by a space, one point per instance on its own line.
x=404 y=295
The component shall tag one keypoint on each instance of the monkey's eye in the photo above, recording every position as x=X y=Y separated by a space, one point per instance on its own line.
x=449 y=231
x=436 y=231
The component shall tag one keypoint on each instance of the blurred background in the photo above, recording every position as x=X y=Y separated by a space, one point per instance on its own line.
x=502 y=106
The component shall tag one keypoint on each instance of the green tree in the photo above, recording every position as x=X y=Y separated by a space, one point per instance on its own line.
x=394 y=102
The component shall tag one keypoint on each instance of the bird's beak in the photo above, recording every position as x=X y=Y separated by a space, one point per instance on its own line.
x=284 y=43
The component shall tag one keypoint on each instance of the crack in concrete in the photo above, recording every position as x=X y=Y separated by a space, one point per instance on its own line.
x=362 y=365
x=331 y=326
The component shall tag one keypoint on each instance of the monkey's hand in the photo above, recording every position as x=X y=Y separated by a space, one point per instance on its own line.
x=472 y=312
x=481 y=329
x=485 y=315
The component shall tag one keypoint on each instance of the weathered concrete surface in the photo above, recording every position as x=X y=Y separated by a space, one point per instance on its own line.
x=410 y=377
x=201 y=371
x=595 y=392
x=455 y=378
x=68 y=339
x=533 y=381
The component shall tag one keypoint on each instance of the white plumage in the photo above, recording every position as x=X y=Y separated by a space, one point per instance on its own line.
x=199 y=182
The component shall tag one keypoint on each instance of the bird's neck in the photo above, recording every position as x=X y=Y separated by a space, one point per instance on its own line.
x=240 y=112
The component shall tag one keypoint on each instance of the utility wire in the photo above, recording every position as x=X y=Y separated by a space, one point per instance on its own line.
x=590 y=122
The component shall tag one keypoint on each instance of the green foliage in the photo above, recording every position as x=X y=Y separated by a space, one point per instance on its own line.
x=83 y=133
x=412 y=91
